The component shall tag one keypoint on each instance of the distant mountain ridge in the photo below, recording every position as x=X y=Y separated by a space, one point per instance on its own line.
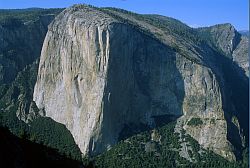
x=244 y=32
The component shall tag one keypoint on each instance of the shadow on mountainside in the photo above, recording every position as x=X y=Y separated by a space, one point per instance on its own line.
x=235 y=101
x=19 y=152
x=234 y=88
x=138 y=96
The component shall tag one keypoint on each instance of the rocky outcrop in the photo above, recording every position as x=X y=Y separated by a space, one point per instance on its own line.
x=225 y=37
x=240 y=55
x=98 y=73
x=230 y=43
x=99 y=85
x=230 y=63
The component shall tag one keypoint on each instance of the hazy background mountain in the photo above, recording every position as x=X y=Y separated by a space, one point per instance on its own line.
x=244 y=32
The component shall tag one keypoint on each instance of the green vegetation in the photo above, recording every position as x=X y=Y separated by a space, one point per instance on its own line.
x=195 y=122
x=136 y=151
x=15 y=94
x=42 y=130
x=18 y=70
x=212 y=121
x=20 y=152
x=166 y=25
x=133 y=150
x=46 y=131
x=24 y=32
x=25 y=15
x=139 y=151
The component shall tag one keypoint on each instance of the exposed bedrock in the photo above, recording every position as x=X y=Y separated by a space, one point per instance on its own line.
x=97 y=75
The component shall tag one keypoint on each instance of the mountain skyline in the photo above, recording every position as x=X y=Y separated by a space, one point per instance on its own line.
x=194 y=13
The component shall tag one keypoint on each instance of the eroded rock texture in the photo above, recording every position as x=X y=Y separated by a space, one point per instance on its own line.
x=101 y=70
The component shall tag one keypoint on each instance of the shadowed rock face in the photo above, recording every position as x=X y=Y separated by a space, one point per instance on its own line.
x=231 y=65
x=240 y=55
x=231 y=43
x=98 y=74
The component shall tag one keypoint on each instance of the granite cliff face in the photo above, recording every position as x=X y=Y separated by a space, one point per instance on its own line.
x=231 y=43
x=240 y=54
x=103 y=69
